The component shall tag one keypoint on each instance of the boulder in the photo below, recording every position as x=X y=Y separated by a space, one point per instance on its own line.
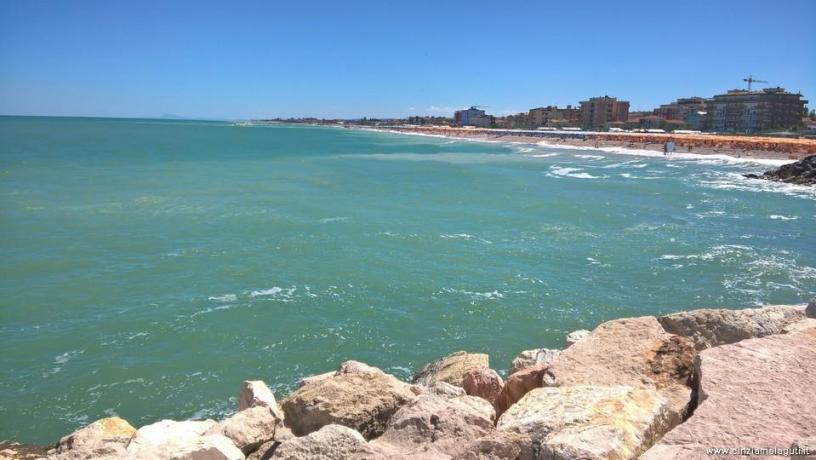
x=11 y=450
x=802 y=172
x=436 y=426
x=810 y=310
x=331 y=442
x=499 y=445
x=249 y=428
x=256 y=393
x=804 y=449
x=210 y=447
x=529 y=358
x=452 y=368
x=446 y=389
x=267 y=449
x=754 y=393
x=518 y=385
x=104 y=438
x=575 y=336
x=589 y=422
x=713 y=327
x=363 y=401
x=633 y=352
x=484 y=383
x=160 y=439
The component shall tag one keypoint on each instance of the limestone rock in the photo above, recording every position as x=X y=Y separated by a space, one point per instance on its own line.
x=331 y=442
x=256 y=393
x=589 y=422
x=267 y=449
x=315 y=378
x=484 y=383
x=799 y=326
x=529 y=358
x=452 y=368
x=210 y=447
x=104 y=438
x=575 y=337
x=249 y=428
x=499 y=445
x=11 y=450
x=446 y=390
x=356 y=367
x=754 y=393
x=634 y=352
x=436 y=425
x=363 y=401
x=713 y=327
x=518 y=385
x=162 y=438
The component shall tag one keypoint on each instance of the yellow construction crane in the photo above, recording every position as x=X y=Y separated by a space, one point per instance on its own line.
x=751 y=79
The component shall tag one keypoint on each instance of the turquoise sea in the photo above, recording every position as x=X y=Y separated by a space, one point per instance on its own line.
x=148 y=267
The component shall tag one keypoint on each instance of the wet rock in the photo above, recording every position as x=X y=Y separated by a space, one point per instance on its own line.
x=104 y=438
x=589 y=422
x=713 y=327
x=331 y=442
x=529 y=358
x=802 y=172
x=575 y=337
x=363 y=401
x=249 y=428
x=518 y=385
x=484 y=383
x=633 y=352
x=256 y=393
x=436 y=425
x=452 y=368
x=810 y=311
x=754 y=393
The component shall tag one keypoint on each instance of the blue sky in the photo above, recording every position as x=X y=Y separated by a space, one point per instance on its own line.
x=380 y=58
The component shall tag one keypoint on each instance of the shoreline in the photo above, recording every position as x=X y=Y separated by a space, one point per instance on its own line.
x=654 y=369
x=761 y=150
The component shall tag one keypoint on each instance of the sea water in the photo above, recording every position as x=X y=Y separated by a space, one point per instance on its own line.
x=148 y=267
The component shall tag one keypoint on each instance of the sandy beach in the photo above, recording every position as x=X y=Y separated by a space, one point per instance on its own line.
x=776 y=150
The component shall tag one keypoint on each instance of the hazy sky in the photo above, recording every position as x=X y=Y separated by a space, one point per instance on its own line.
x=353 y=58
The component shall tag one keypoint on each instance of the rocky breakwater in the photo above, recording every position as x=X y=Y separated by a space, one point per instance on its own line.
x=802 y=172
x=670 y=387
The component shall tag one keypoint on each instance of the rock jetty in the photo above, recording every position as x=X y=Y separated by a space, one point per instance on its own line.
x=690 y=385
x=802 y=172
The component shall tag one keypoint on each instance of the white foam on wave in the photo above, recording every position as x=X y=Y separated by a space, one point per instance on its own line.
x=275 y=292
x=211 y=309
x=590 y=157
x=463 y=236
x=224 y=298
x=543 y=155
x=327 y=220
x=781 y=217
x=735 y=181
x=559 y=171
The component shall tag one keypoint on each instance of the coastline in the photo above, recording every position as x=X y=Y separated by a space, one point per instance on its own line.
x=678 y=383
x=760 y=150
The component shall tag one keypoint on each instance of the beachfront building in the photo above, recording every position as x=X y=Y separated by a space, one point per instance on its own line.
x=473 y=117
x=598 y=112
x=740 y=111
x=554 y=117
x=679 y=109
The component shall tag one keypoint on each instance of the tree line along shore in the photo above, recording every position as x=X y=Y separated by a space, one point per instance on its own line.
x=711 y=383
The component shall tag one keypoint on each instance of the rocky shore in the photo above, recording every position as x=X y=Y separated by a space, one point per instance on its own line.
x=670 y=387
x=802 y=172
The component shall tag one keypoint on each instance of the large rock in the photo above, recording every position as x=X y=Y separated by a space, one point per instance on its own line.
x=575 y=336
x=810 y=310
x=713 y=327
x=170 y=440
x=11 y=450
x=589 y=422
x=499 y=445
x=356 y=367
x=315 y=378
x=802 y=172
x=104 y=438
x=755 y=393
x=331 y=442
x=529 y=358
x=452 y=368
x=267 y=449
x=518 y=385
x=363 y=401
x=256 y=393
x=249 y=428
x=634 y=352
x=484 y=383
x=435 y=426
